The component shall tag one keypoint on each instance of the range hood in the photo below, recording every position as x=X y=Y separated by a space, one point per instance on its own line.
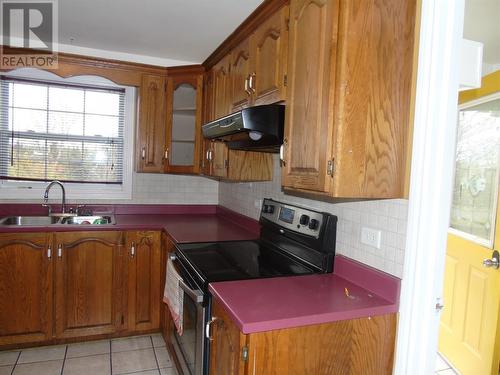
x=258 y=128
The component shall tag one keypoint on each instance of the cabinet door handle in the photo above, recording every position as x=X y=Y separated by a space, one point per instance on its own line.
x=166 y=154
x=207 y=155
x=207 y=328
x=49 y=252
x=210 y=155
x=59 y=251
x=247 y=90
x=143 y=153
x=132 y=250
x=282 y=153
x=251 y=82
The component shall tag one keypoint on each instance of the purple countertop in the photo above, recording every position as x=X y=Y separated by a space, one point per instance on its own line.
x=286 y=302
x=184 y=223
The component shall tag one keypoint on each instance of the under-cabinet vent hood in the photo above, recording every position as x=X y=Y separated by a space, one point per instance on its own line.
x=258 y=128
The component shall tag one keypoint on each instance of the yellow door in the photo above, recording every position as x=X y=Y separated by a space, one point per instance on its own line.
x=470 y=329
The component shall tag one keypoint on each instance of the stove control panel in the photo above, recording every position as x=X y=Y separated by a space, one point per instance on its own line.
x=295 y=218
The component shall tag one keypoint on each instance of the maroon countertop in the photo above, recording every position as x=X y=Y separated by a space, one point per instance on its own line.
x=184 y=223
x=285 y=302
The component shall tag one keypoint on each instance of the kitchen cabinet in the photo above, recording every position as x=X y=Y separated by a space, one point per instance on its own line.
x=237 y=165
x=183 y=126
x=143 y=280
x=349 y=90
x=357 y=346
x=67 y=285
x=220 y=88
x=26 y=276
x=258 y=64
x=88 y=284
x=150 y=140
x=240 y=92
x=268 y=77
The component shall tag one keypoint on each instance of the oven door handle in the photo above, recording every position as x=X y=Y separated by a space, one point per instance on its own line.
x=196 y=295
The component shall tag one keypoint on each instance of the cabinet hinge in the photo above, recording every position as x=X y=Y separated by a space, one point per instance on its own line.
x=123 y=320
x=288 y=24
x=226 y=163
x=285 y=80
x=244 y=353
x=330 y=169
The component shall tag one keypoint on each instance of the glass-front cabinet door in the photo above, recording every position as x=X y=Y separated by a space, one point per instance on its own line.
x=183 y=138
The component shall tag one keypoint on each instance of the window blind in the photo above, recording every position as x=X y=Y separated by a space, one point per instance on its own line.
x=58 y=131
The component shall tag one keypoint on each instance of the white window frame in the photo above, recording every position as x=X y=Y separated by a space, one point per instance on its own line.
x=29 y=190
x=467 y=236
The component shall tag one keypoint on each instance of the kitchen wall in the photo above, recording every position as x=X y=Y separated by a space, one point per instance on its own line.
x=389 y=216
x=151 y=188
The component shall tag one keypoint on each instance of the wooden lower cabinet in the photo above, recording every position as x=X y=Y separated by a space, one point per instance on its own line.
x=26 y=273
x=143 y=279
x=357 y=346
x=88 y=285
x=70 y=285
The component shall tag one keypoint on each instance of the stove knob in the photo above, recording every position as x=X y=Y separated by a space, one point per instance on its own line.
x=313 y=224
x=304 y=220
x=270 y=209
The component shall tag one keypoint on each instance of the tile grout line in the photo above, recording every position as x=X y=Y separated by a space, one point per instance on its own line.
x=110 y=357
x=154 y=352
x=64 y=359
x=15 y=364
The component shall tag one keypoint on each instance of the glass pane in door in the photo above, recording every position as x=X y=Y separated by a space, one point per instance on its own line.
x=183 y=125
x=476 y=170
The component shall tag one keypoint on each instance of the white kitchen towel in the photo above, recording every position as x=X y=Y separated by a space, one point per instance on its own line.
x=173 y=295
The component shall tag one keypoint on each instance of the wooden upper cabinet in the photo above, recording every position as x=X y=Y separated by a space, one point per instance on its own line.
x=349 y=90
x=240 y=93
x=88 y=286
x=26 y=271
x=238 y=165
x=150 y=146
x=183 y=128
x=144 y=294
x=373 y=91
x=311 y=63
x=220 y=88
x=269 y=59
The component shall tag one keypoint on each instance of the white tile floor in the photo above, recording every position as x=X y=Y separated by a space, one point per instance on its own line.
x=139 y=355
x=442 y=367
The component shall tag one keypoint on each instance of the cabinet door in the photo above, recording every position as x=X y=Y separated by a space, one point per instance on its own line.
x=240 y=93
x=143 y=280
x=220 y=88
x=249 y=166
x=151 y=130
x=184 y=111
x=88 y=285
x=219 y=159
x=226 y=350
x=308 y=122
x=25 y=288
x=269 y=59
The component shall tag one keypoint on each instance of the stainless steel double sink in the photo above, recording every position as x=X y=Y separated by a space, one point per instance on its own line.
x=51 y=220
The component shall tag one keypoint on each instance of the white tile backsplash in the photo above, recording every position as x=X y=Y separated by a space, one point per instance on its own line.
x=389 y=216
x=149 y=188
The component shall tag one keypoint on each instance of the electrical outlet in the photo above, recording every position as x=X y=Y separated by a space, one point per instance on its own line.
x=258 y=203
x=371 y=237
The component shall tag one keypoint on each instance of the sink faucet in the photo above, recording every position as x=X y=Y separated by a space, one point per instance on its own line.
x=46 y=196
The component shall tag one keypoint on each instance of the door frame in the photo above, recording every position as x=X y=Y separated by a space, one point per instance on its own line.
x=432 y=169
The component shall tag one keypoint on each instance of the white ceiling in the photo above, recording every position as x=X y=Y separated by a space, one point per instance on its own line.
x=154 y=31
x=482 y=24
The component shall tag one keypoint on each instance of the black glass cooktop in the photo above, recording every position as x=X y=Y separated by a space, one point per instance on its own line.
x=238 y=260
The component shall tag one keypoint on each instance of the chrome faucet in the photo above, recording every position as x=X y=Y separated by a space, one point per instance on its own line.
x=46 y=196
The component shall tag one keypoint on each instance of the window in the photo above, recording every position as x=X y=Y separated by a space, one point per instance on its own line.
x=72 y=130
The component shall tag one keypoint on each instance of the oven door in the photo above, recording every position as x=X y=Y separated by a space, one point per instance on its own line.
x=189 y=347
